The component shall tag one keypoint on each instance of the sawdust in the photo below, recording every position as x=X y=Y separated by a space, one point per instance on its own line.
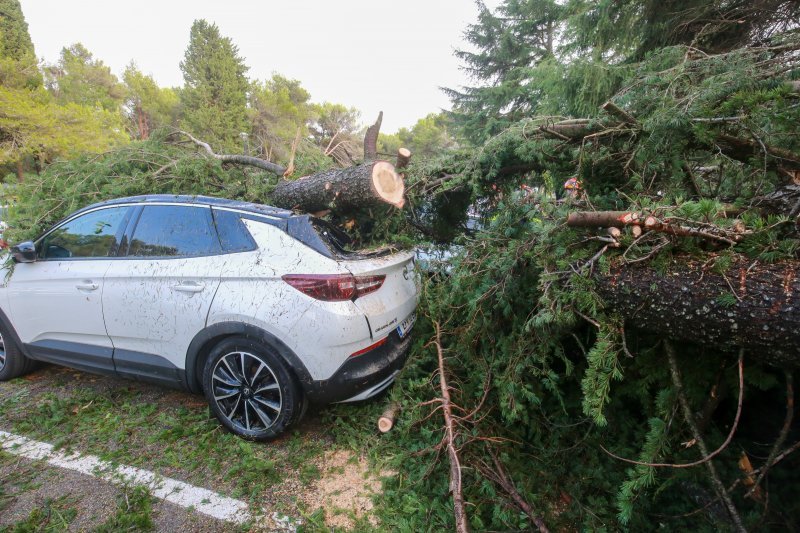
x=344 y=490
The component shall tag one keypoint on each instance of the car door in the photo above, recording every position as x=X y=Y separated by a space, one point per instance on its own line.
x=55 y=303
x=157 y=295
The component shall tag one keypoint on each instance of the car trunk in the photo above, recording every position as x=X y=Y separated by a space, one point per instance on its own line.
x=396 y=300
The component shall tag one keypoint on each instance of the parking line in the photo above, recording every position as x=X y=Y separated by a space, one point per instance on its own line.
x=201 y=500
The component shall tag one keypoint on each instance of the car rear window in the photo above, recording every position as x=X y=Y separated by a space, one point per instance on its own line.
x=333 y=237
x=174 y=231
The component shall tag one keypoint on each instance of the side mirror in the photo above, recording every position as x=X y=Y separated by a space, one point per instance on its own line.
x=24 y=252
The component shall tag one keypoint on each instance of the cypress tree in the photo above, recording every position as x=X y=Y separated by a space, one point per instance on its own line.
x=18 y=65
x=214 y=98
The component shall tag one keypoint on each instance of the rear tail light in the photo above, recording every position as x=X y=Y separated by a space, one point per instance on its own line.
x=334 y=287
x=370 y=347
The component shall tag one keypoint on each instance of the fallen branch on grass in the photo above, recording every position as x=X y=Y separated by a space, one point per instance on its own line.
x=451 y=435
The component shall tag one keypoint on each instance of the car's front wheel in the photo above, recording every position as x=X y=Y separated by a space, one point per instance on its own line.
x=250 y=389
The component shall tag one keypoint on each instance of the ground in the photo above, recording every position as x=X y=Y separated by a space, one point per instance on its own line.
x=305 y=475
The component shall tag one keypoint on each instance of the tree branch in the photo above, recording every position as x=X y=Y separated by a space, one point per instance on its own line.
x=707 y=456
x=237 y=158
x=462 y=526
x=689 y=417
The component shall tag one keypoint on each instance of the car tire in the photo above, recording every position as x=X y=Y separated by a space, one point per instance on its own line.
x=13 y=362
x=250 y=389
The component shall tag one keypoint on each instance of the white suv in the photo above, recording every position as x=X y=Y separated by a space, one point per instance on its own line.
x=260 y=309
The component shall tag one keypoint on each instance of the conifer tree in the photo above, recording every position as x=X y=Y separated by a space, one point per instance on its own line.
x=214 y=98
x=81 y=79
x=508 y=45
x=278 y=108
x=18 y=65
x=148 y=106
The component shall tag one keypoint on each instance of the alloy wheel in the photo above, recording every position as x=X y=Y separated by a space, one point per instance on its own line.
x=246 y=391
x=2 y=352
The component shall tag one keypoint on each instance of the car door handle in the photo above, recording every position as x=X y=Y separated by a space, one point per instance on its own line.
x=87 y=286
x=189 y=287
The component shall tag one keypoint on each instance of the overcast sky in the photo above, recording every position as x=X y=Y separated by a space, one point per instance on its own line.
x=371 y=54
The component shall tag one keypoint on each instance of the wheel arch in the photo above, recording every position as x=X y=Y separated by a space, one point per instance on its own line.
x=205 y=340
x=14 y=336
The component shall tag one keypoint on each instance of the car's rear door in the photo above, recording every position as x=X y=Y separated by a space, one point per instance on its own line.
x=157 y=296
x=55 y=302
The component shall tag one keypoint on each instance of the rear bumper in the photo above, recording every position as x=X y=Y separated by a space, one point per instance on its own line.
x=363 y=376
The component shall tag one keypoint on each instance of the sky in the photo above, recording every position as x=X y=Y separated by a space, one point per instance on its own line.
x=373 y=55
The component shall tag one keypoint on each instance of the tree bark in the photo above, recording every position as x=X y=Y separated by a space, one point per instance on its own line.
x=783 y=201
x=343 y=189
x=371 y=139
x=403 y=158
x=756 y=307
x=603 y=219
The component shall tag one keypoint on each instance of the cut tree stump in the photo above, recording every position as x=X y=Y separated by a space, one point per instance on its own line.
x=387 y=419
x=403 y=158
x=343 y=189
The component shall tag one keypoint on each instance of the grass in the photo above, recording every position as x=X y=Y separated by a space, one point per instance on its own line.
x=119 y=425
x=133 y=513
x=54 y=515
x=21 y=479
x=168 y=432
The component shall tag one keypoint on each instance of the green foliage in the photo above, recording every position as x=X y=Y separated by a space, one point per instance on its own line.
x=279 y=112
x=150 y=107
x=510 y=44
x=52 y=516
x=214 y=98
x=18 y=64
x=429 y=137
x=79 y=78
x=32 y=124
x=130 y=170
x=334 y=131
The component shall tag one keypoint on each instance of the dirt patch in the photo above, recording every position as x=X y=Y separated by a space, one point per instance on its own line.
x=344 y=489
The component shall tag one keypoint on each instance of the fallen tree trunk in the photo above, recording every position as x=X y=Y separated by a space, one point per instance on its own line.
x=342 y=189
x=784 y=201
x=752 y=305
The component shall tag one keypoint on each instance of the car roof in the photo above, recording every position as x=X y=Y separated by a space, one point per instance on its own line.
x=259 y=209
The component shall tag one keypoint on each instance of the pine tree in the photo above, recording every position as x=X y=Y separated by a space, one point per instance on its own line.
x=81 y=79
x=148 y=106
x=278 y=108
x=18 y=65
x=334 y=131
x=214 y=99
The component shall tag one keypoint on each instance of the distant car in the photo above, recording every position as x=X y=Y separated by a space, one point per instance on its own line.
x=258 y=308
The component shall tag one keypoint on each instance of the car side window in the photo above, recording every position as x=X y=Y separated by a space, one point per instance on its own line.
x=87 y=236
x=174 y=231
x=233 y=234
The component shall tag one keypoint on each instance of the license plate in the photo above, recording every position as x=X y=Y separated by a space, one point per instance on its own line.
x=406 y=325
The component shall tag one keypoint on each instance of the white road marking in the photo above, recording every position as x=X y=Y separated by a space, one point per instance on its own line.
x=171 y=490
